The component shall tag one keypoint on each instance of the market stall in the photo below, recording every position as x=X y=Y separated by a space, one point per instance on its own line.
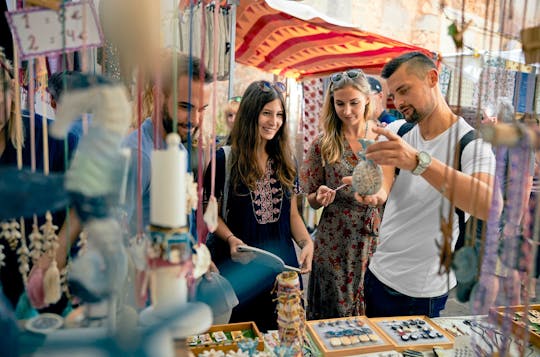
x=286 y=39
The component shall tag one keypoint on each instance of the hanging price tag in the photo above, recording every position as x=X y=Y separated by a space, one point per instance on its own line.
x=39 y=31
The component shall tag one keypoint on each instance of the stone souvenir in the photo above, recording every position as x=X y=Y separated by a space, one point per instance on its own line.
x=367 y=175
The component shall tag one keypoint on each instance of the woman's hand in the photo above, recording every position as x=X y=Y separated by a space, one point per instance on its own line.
x=377 y=199
x=306 y=257
x=325 y=195
x=236 y=256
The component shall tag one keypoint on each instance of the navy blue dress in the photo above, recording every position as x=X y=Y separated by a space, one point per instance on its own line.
x=260 y=218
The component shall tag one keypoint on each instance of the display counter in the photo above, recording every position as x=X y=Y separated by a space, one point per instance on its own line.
x=353 y=336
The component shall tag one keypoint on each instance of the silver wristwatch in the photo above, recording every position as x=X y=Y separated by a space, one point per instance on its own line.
x=424 y=159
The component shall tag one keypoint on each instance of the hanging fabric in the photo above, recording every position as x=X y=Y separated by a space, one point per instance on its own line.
x=196 y=13
x=313 y=102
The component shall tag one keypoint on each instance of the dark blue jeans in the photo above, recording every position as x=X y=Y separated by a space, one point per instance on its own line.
x=383 y=301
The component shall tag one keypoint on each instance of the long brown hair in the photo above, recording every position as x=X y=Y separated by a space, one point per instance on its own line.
x=245 y=138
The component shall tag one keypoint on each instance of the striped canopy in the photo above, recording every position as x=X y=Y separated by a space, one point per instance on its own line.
x=292 y=39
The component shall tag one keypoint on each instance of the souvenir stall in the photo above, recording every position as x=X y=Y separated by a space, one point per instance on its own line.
x=112 y=272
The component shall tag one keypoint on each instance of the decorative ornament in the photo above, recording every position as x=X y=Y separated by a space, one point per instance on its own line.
x=212 y=353
x=63 y=280
x=201 y=260
x=367 y=175
x=24 y=254
x=211 y=214
x=34 y=289
x=51 y=284
x=51 y=278
x=248 y=347
x=36 y=243
x=82 y=244
x=239 y=353
x=10 y=232
x=291 y=317
x=192 y=197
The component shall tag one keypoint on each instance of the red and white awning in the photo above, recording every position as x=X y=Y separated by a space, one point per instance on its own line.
x=294 y=40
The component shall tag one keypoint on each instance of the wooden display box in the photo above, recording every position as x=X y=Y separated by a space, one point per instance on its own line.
x=319 y=329
x=248 y=329
x=383 y=325
x=517 y=325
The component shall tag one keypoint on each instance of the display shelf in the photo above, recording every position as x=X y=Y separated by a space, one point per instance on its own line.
x=516 y=313
x=223 y=337
x=412 y=332
x=347 y=336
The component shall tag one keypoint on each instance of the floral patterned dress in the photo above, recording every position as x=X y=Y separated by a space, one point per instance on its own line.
x=261 y=218
x=345 y=240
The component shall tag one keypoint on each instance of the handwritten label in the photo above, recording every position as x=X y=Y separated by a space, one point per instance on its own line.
x=39 y=31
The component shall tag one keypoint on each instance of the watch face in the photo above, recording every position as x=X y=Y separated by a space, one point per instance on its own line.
x=424 y=158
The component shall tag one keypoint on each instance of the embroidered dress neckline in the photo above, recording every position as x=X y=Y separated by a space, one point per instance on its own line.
x=267 y=198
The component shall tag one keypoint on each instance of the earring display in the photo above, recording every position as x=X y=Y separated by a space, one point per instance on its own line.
x=515 y=314
x=226 y=338
x=347 y=336
x=413 y=332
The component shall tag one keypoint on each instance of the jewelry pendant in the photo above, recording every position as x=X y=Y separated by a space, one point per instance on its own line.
x=10 y=232
x=51 y=277
x=36 y=243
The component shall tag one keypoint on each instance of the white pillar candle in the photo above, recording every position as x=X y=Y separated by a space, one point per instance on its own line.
x=168 y=287
x=168 y=185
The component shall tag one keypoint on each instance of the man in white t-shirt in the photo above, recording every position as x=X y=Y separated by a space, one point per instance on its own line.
x=403 y=276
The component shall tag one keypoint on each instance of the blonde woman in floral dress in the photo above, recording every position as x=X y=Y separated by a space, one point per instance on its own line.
x=347 y=232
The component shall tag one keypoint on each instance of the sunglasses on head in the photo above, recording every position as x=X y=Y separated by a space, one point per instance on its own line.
x=266 y=86
x=351 y=73
x=236 y=99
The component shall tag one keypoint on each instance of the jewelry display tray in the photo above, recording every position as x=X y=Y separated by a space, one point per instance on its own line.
x=517 y=325
x=318 y=330
x=443 y=339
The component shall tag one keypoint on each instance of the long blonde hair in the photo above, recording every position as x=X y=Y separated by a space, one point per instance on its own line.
x=332 y=141
x=14 y=132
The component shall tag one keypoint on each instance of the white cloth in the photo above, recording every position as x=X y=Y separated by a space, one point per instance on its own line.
x=407 y=257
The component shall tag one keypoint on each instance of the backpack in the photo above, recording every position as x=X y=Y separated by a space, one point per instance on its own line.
x=219 y=249
x=465 y=139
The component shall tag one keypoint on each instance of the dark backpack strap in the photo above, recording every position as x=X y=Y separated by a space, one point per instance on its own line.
x=465 y=139
x=404 y=129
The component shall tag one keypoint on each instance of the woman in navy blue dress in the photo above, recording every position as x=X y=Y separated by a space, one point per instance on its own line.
x=261 y=202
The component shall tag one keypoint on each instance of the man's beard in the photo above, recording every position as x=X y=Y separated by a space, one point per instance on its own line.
x=167 y=122
x=414 y=118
